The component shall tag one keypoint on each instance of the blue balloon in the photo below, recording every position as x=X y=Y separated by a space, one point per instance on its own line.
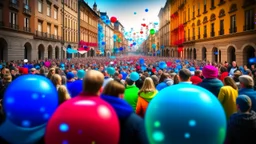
x=1 y=66
x=142 y=61
x=134 y=76
x=154 y=46
x=111 y=70
x=124 y=74
x=103 y=43
x=134 y=43
x=168 y=121
x=143 y=68
x=252 y=60
x=30 y=100
x=135 y=13
x=162 y=65
x=192 y=69
x=146 y=10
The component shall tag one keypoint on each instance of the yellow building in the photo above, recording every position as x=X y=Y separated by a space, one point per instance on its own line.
x=217 y=31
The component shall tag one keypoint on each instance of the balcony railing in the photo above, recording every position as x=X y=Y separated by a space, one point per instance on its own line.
x=221 y=32
x=14 y=26
x=1 y=24
x=45 y=35
x=26 y=9
x=232 y=30
x=27 y=29
x=14 y=4
x=212 y=34
x=205 y=10
x=249 y=27
x=205 y=35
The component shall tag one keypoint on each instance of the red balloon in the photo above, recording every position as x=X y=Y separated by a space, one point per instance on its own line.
x=83 y=119
x=141 y=32
x=113 y=19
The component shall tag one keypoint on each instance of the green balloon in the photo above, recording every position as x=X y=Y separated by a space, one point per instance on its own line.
x=152 y=31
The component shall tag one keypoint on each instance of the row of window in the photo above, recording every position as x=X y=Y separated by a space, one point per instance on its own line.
x=70 y=36
x=48 y=28
x=48 y=9
x=71 y=4
x=87 y=19
x=70 y=23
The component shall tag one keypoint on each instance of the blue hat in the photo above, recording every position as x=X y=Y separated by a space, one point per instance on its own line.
x=80 y=73
x=70 y=75
x=244 y=102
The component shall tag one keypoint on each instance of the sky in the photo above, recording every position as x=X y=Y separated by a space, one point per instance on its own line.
x=124 y=10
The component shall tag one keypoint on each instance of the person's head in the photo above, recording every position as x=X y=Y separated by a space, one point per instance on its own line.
x=243 y=103
x=33 y=71
x=51 y=73
x=184 y=75
x=70 y=76
x=63 y=94
x=176 y=79
x=42 y=71
x=7 y=78
x=148 y=86
x=58 y=71
x=163 y=77
x=93 y=82
x=198 y=73
x=160 y=72
x=56 y=80
x=114 y=88
x=245 y=67
x=210 y=72
x=223 y=69
x=129 y=82
x=155 y=79
x=80 y=74
x=228 y=81
x=252 y=66
x=246 y=81
x=234 y=64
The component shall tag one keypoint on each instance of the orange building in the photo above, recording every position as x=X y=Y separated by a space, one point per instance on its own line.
x=215 y=31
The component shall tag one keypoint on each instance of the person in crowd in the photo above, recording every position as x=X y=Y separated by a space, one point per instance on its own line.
x=51 y=73
x=211 y=81
x=63 y=94
x=56 y=80
x=247 y=85
x=7 y=79
x=164 y=81
x=184 y=76
x=159 y=73
x=146 y=94
x=232 y=69
x=15 y=73
x=70 y=79
x=76 y=87
x=236 y=76
x=107 y=79
x=155 y=80
x=176 y=79
x=139 y=82
x=227 y=96
x=196 y=79
x=42 y=71
x=131 y=93
x=246 y=71
x=33 y=71
x=223 y=73
x=242 y=125
x=131 y=125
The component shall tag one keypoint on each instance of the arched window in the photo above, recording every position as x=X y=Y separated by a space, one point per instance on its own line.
x=205 y=19
x=233 y=8
x=198 y=22
x=222 y=13
x=213 y=17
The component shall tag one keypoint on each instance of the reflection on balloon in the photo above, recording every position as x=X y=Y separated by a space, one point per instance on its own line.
x=167 y=121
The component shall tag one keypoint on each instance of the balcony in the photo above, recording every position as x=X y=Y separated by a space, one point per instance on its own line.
x=221 y=32
x=193 y=38
x=47 y=36
x=232 y=30
x=212 y=34
x=14 y=26
x=205 y=35
x=222 y=2
x=14 y=4
x=205 y=10
x=249 y=27
x=26 y=9
x=198 y=37
x=213 y=7
x=27 y=29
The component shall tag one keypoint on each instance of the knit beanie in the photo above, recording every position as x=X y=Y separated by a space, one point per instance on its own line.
x=210 y=72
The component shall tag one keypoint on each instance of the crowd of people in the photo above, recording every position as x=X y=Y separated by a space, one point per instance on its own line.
x=111 y=80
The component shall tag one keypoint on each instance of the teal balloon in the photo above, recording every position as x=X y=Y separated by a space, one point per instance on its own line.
x=134 y=76
x=180 y=114
x=80 y=73
x=162 y=65
x=111 y=70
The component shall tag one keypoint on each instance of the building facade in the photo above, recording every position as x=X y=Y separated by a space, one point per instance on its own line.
x=120 y=41
x=164 y=29
x=217 y=31
x=89 y=26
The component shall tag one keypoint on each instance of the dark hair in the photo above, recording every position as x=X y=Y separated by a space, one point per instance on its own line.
x=113 y=88
x=139 y=83
x=184 y=74
x=223 y=69
x=176 y=79
x=163 y=77
x=129 y=81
